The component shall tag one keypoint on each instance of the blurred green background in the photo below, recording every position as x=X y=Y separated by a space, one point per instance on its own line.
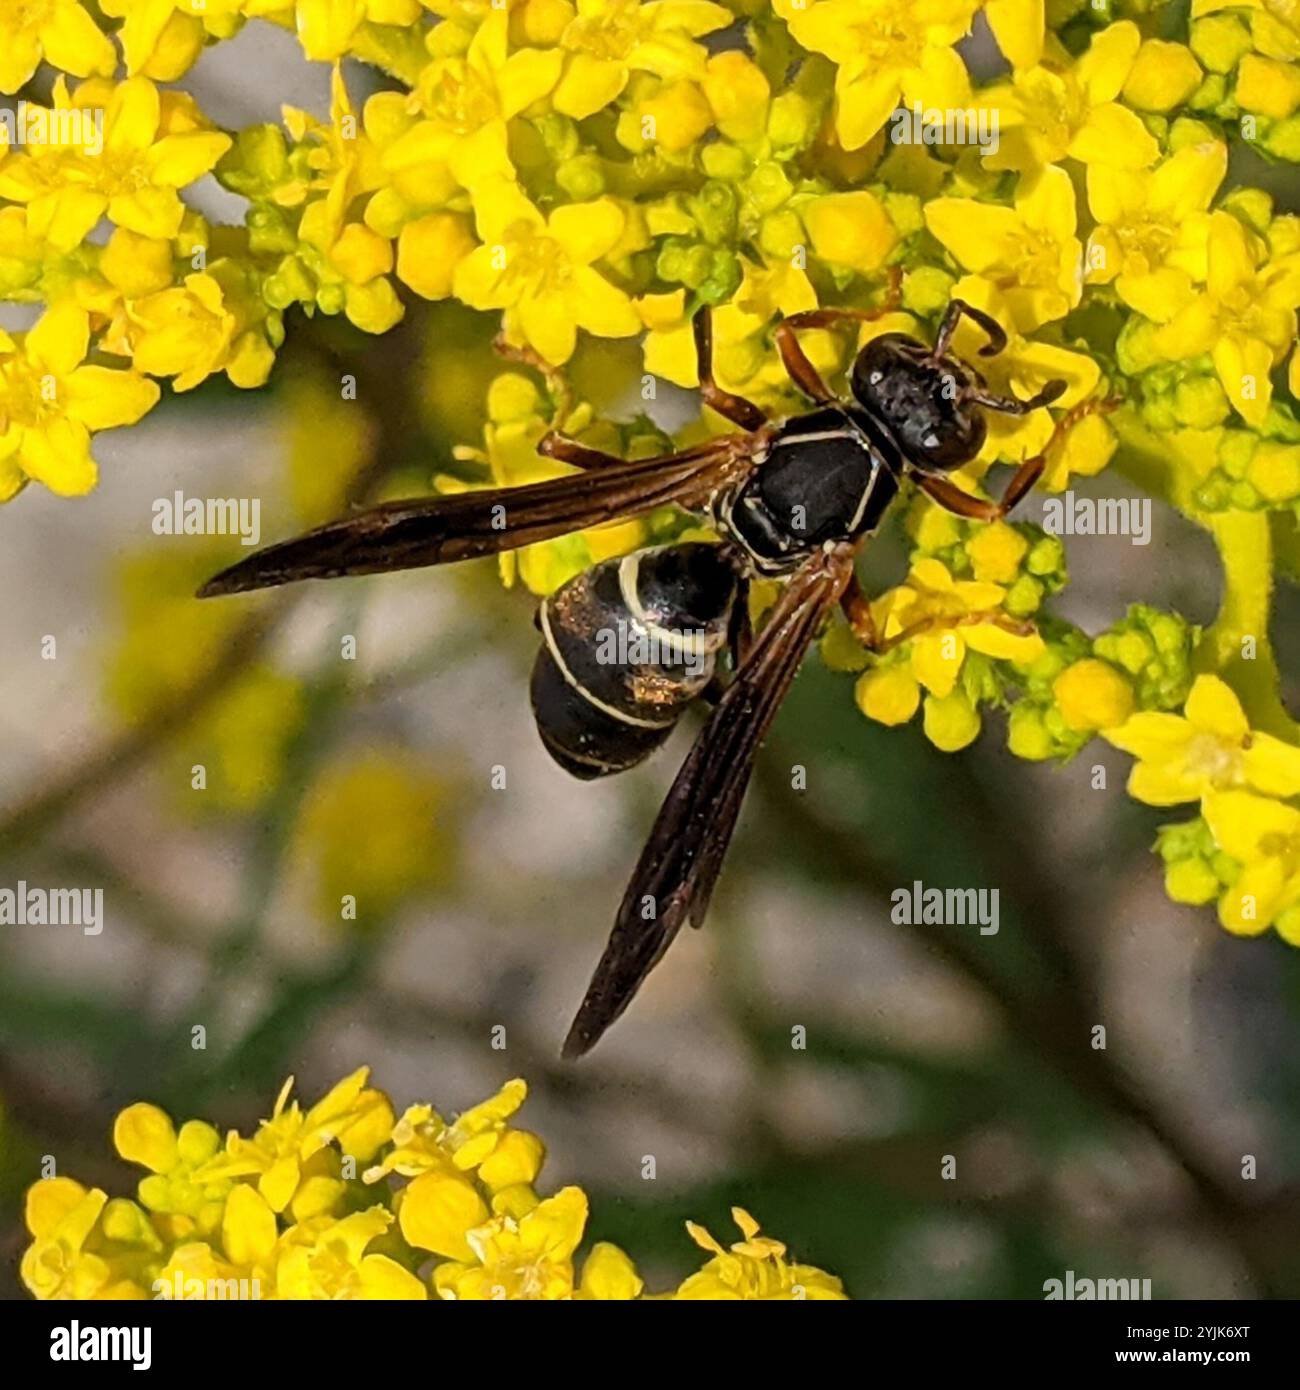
x=483 y=907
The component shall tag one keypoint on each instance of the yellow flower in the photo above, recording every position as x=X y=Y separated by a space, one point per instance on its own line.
x=143 y=1134
x=153 y=145
x=884 y=52
x=1045 y=115
x=953 y=616
x=754 y=1268
x=608 y=40
x=51 y=403
x=738 y=94
x=1019 y=27
x=479 y=1140
x=60 y=31
x=1274 y=24
x=540 y=269
x=162 y=38
x=1153 y=228
x=1245 y=317
x=1210 y=747
x=1092 y=694
x=326 y=28
x=1264 y=835
x=288 y=1154
x=342 y=159
x=452 y=132
x=743 y=356
x=428 y=251
x=1163 y=76
x=608 y=1275
x=326 y=1259
x=61 y=1216
x=849 y=229
x=516 y=1258
x=1267 y=86
x=189 y=331
x=1029 y=251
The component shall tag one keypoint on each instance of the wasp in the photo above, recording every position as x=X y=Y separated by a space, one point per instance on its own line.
x=791 y=498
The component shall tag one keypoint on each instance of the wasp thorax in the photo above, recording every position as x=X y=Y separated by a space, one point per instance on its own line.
x=922 y=400
x=627 y=645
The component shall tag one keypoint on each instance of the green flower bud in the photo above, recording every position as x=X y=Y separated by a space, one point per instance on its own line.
x=1164 y=679
x=715 y=208
x=1212 y=495
x=269 y=232
x=1046 y=557
x=1024 y=596
x=1027 y=735
x=582 y=177
x=1283 y=139
x=1200 y=403
x=926 y=290
x=1236 y=449
x=1135 y=349
x=724 y=161
x=792 y=120
x=1244 y=498
x=290 y=284
x=1219 y=41
x=723 y=279
x=904 y=211
x=780 y=233
x=559 y=136
x=1187 y=131
x=330 y=299
x=768 y=187
x=256 y=163
x=1252 y=205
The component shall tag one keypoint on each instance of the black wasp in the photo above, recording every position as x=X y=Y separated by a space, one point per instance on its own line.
x=791 y=497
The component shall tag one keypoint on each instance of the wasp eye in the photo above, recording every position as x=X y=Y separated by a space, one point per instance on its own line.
x=876 y=377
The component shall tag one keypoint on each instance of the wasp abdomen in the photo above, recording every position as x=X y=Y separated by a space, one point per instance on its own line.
x=627 y=645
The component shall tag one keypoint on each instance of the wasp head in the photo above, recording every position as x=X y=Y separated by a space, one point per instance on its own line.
x=924 y=399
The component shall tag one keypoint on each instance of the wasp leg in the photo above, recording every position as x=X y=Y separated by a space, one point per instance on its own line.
x=797 y=366
x=995 y=616
x=1009 y=405
x=731 y=407
x=956 y=310
x=856 y=607
x=948 y=495
x=565 y=450
x=557 y=384
x=740 y=633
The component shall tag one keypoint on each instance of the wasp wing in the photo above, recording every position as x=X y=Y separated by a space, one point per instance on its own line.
x=461 y=526
x=679 y=866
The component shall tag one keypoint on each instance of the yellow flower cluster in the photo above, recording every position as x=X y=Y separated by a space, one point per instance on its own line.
x=603 y=168
x=1242 y=777
x=307 y=1208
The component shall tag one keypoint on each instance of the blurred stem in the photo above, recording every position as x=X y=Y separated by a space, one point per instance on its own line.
x=1052 y=1027
x=32 y=816
x=388 y=361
